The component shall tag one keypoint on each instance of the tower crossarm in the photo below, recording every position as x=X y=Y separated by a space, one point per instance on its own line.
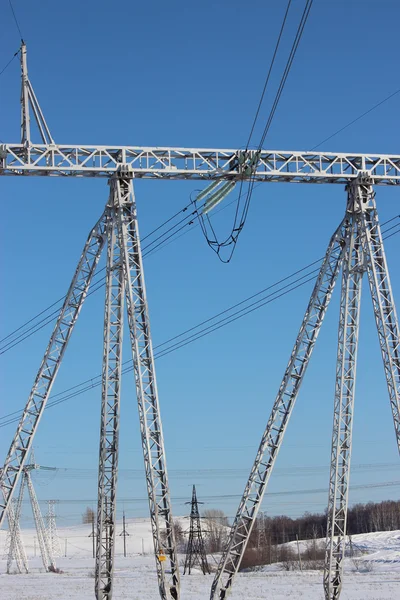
x=198 y=163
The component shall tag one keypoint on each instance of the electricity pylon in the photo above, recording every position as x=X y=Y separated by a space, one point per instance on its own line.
x=357 y=248
x=51 y=529
x=195 y=553
x=44 y=542
x=118 y=229
x=16 y=547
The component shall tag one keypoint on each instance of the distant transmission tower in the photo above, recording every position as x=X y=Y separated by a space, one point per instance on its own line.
x=195 y=554
x=14 y=543
x=52 y=533
x=14 y=548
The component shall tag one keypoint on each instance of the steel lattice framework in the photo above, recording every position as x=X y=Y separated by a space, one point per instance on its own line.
x=356 y=244
x=195 y=553
x=15 y=545
x=197 y=163
x=51 y=529
x=44 y=542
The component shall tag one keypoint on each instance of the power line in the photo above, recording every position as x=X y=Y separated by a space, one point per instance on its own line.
x=76 y=472
x=280 y=292
x=356 y=119
x=295 y=492
x=16 y=20
x=49 y=318
x=9 y=62
x=278 y=95
x=269 y=72
x=237 y=227
x=184 y=222
x=193 y=214
x=92 y=383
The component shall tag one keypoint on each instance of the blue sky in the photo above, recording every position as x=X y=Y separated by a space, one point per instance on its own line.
x=181 y=74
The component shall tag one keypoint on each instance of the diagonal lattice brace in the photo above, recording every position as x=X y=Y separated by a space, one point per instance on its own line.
x=146 y=390
x=110 y=409
x=353 y=269
x=279 y=418
x=383 y=303
x=22 y=442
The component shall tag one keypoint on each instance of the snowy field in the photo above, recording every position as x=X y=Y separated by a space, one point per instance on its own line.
x=135 y=575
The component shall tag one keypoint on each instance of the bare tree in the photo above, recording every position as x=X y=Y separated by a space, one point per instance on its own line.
x=216 y=529
x=88 y=516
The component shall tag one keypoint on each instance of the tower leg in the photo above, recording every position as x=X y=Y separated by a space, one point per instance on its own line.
x=109 y=428
x=382 y=298
x=353 y=268
x=281 y=411
x=46 y=375
x=146 y=390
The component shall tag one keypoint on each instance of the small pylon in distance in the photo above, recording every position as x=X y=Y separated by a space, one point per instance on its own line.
x=195 y=554
x=52 y=533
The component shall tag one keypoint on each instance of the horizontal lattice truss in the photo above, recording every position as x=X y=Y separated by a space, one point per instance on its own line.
x=197 y=163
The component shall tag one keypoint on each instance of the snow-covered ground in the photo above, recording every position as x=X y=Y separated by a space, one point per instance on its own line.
x=135 y=575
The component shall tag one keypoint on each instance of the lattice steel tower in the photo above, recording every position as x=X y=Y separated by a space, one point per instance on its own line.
x=357 y=244
x=16 y=549
x=51 y=528
x=195 y=553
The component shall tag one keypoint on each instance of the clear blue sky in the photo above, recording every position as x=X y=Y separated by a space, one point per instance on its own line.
x=186 y=74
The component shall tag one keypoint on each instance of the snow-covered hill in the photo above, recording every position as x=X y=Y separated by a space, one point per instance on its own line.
x=381 y=549
x=135 y=577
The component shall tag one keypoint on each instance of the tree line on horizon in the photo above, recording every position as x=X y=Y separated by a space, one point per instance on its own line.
x=270 y=534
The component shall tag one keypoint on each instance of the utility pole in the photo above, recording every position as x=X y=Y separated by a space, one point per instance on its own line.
x=261 y=538
x=124 y=532
x=93 y=536
x=298 y=552
x=195 y=554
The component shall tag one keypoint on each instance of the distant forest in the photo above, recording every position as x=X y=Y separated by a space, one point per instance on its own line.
x=361 y=518
x=269 y=536
x=270 y=532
